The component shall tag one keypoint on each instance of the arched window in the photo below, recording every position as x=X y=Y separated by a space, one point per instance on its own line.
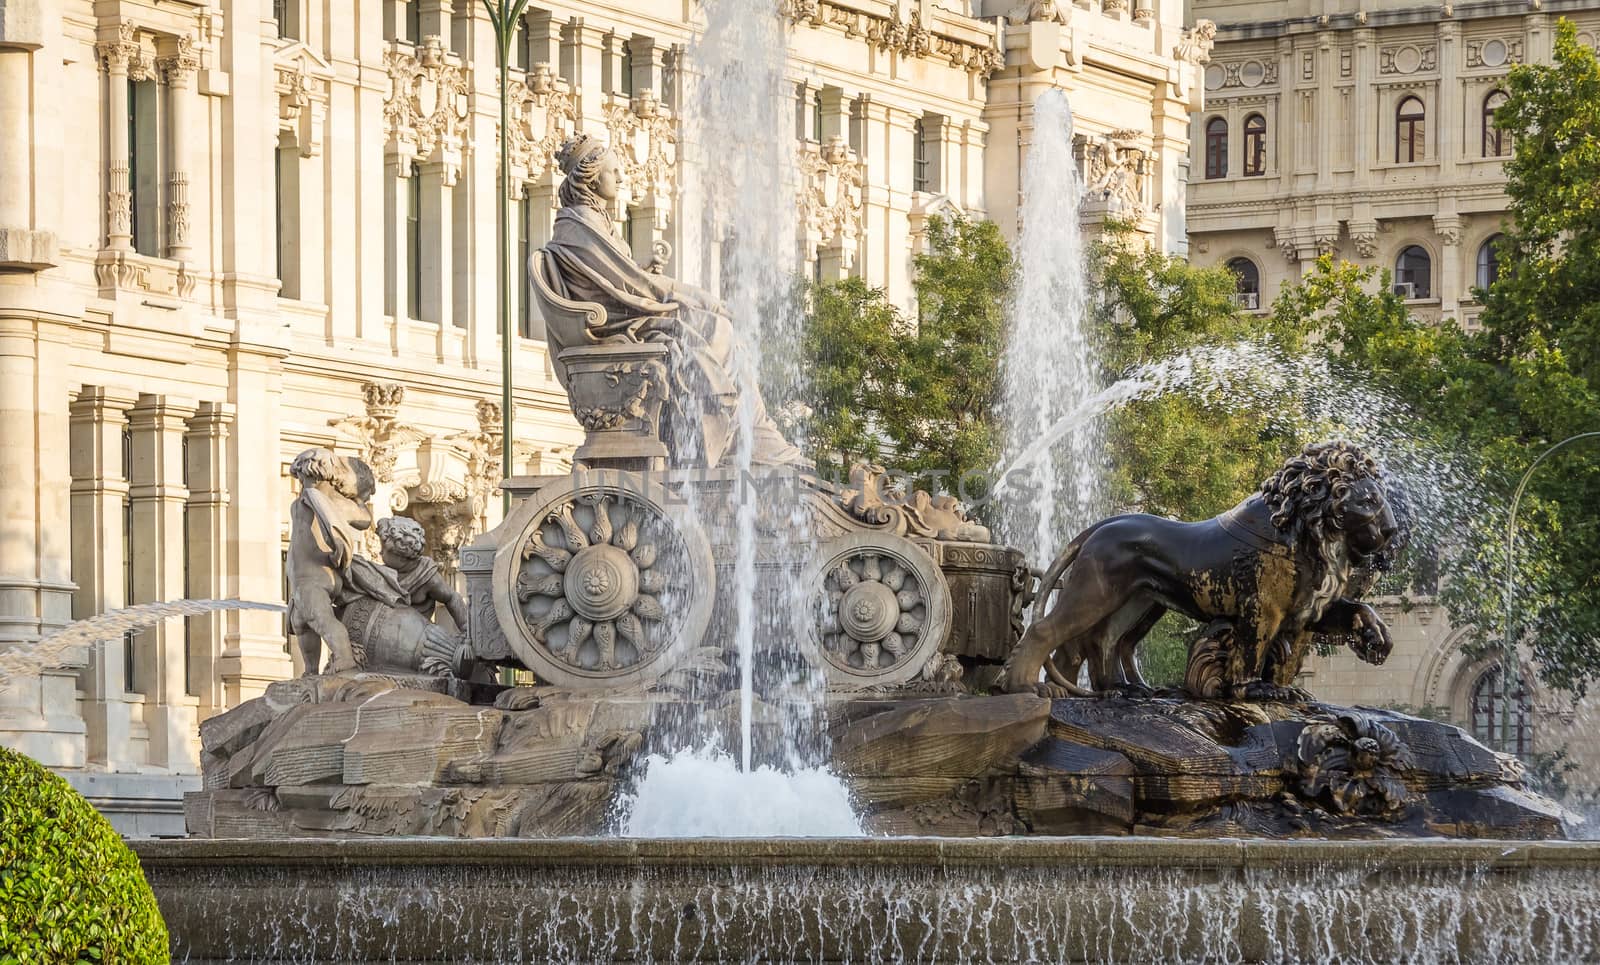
x=1247 y=283
x=1489 y=262
x=1489 y=719
x=1216 y=148
x=1410 y=132
x=1496 y=143
x=1255 y=146
x=1413 y=273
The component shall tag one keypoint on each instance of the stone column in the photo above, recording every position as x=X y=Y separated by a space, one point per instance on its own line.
x=649 y=57
x=207 y=538
x=157 y=494
x=179 y=70
x=901 y=135
x=882 y=181
x=1448 y=139
x=116 y=55
x=99 y=490
x=582 y=57
x=435 y=18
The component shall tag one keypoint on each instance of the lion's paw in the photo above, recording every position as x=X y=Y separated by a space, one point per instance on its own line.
x=1052 y=691
x=1263 y=692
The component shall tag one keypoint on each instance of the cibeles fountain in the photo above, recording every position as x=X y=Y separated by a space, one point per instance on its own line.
x=691 y=634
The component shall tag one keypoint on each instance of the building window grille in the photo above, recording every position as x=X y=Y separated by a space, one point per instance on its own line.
x=1247 y=283
x=1255 y=146
x=1410 y=132
x=1489 y=723
x=1496 y=143
x=1216 y=149
x=1413 y=273
x=1489 y=262
x=414 y=243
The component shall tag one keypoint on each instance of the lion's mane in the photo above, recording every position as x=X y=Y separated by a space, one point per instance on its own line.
x=1306 y=498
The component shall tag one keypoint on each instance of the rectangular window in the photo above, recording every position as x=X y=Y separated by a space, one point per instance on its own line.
x=130 y=638
x=925 y=154
x=414 y=243
x=143 y=167
x=816 y=116
x=286 y=172
x=627 y=68
x=286 y=13
x=800 y=113
x=414 y=22
x=519 y=46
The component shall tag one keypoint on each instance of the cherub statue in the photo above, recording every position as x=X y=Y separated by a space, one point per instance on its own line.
x=403 y=541
x=325 y=571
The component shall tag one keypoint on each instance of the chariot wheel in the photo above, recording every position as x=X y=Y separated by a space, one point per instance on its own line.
x=604 y=583
x=880 y=608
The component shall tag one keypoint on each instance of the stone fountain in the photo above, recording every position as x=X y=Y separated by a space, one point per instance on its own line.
x=613 y=589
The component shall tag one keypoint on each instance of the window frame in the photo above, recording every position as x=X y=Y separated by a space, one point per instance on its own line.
x=1493 y=136
x=1408 y=275
x=1216 y=148
x=1255 y=145
x=1410 y=131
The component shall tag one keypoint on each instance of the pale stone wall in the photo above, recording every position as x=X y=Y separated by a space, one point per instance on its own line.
x=1329 y=83
x=231 y=230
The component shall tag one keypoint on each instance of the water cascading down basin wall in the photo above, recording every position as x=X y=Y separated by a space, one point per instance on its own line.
x=876 y=899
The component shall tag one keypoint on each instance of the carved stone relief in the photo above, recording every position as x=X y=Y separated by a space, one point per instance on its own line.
x=1117 y=171
x=301 y=80
x=1494 y=52
x=644 y=137
x=1407 y=58
x=425 y=111
x=830 y=197
x=543 y=113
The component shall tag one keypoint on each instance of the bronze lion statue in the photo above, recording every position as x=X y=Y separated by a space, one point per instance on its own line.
x=1267 y=576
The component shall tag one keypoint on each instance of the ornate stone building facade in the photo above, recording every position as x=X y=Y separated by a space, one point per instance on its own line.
x=234 y=229
x=1363 y=130
x=1366 y=131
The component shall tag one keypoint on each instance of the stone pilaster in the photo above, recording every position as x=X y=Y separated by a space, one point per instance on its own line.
x=206 y=540
x=157 y=494
x=99 y=491
x=1447 y=281
x=24 y=244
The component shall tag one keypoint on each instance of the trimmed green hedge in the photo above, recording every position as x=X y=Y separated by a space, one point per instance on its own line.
x=70 y=890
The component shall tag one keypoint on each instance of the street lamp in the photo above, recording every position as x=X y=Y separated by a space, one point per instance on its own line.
x=504 y=16
x=1509 y=674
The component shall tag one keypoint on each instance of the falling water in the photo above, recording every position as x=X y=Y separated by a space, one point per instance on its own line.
x=1048 y=367
x=740 y=176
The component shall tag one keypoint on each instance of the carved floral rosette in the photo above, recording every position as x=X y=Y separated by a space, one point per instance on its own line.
x=1353 y=763
x=880 y=609
x=604 y=584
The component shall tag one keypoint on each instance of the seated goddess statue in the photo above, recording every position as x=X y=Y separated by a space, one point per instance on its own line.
x=587 y=261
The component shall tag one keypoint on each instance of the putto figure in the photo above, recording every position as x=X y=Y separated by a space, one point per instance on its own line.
x=403 y=541
x=587 y=262
x=325 y=570
x=1284 y=565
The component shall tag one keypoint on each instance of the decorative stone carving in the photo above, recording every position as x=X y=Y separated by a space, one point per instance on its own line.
x=645 y=139
x=876 y=499
x=1195 y=44
x=302 y=81
x=1364 y=235
x=890 y=33
x=1030 y=11
x=379 y=431
x=882 y=608
x=1117 y=171
x=425 y=109
x=1287 y=243
x=1449 y=228
x=1327 y=241
x=483 y=447
x=543 y=113
x=1494 y=52
x=1352 y=763
x=617 y=393
x=603 y=584
x=830 y=197
x=1407 y=58
x=364 y=612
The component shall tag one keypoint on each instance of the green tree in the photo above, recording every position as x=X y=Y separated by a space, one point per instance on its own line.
x=922 y=391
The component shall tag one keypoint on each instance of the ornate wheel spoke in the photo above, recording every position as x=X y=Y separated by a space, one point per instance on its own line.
x=883 y=608
x=628 y=585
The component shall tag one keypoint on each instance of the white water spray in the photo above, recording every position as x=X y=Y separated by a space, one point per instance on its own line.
x=706 y=794
x=1049 y=369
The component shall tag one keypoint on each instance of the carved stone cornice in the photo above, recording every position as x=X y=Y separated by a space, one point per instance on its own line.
x=425 y=110
x=908 y=38
x=830 y=197
x=644 y=136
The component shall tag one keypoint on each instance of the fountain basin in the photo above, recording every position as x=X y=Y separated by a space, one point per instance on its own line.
x=876 y=899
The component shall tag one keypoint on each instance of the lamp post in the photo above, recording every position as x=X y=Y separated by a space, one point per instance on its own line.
x=504 y=17
x=1509 y=674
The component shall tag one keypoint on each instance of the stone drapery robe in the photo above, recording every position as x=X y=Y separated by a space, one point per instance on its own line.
x=589 y=263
